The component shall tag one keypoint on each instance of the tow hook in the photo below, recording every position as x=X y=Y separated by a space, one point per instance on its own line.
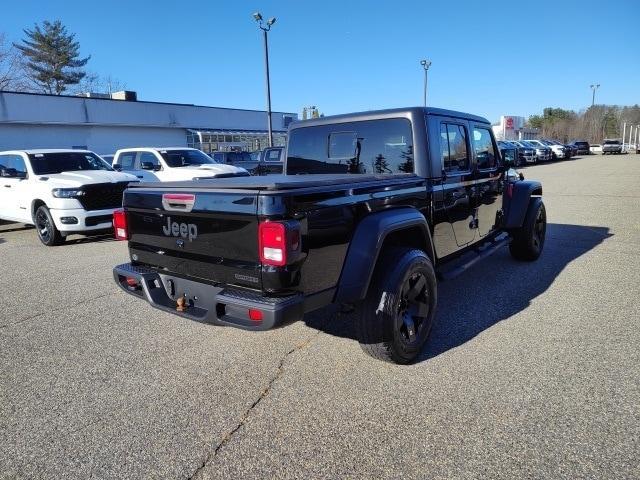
x=181 y=304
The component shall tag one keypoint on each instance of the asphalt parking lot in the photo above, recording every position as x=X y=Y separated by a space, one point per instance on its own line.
x=533 y=370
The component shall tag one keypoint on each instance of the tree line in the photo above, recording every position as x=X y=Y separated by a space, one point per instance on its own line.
x=593 y=124
x=48 y=60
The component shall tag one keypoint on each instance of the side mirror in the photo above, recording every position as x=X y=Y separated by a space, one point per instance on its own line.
x=148 y=166
x=117 y=167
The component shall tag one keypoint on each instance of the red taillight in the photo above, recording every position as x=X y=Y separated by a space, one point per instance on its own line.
x=272 y=241
x=132 y=282
x=277 y=241
x=255 y=315
x=120 y=225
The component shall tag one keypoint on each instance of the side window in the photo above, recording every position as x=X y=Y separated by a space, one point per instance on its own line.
x=148 y=157
x=453 y=148
x=218 y=157
x=127 y=160
x=274 y=156
x=483 y=147
x=13 y=161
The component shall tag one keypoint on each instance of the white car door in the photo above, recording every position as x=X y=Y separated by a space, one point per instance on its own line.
x=14 y=190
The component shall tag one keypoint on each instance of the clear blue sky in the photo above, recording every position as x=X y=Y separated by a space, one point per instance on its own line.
x=489 y=57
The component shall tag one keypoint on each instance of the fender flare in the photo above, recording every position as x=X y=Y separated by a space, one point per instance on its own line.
x=366 y=245
x=519 y=202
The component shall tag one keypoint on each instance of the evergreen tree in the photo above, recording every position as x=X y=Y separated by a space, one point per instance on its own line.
x=52 y=57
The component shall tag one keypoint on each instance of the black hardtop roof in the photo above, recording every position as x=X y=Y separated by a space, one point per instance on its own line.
x=275 y=182
x=388 y=113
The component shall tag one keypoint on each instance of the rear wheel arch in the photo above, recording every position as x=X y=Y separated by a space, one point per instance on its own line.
x=377 y=233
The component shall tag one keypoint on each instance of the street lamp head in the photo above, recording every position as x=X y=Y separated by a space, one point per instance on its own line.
x=425 y=63
x=271 y=21
x=257 y=16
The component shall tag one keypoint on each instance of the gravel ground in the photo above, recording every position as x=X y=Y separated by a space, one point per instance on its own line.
x=532 y=371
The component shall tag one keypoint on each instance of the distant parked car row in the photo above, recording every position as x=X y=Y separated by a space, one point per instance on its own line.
x=542 y=150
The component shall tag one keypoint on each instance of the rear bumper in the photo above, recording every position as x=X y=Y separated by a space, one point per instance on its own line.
x=208 y=303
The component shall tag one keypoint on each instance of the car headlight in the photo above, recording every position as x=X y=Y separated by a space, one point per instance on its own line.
x=67 y=192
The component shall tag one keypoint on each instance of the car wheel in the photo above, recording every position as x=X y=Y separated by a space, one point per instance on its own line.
x=528 y=240
x=396 y=317
x=46 y=228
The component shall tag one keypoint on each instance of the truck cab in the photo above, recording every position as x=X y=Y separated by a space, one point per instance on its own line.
x=150 y=164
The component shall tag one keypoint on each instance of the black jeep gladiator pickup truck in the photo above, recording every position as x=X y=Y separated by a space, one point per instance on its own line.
x=373 y=205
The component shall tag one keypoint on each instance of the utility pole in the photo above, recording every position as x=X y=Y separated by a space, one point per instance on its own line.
x=594 y=87
x=425 y=64
x=265 y=30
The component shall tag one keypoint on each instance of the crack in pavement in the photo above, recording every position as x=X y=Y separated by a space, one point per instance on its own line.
x=213 y=452
x=53 y=310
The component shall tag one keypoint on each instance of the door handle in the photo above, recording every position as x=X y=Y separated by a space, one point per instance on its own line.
x=139 y=176
x=7 y=186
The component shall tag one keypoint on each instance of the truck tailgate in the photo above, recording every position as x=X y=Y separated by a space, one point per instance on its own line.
x=211 y=235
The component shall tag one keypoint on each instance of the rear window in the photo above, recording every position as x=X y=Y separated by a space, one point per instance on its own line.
x=612 y=142
x=371 y=147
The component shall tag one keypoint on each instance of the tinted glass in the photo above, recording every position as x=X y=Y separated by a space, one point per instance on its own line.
x=58 y=162
x=185 y=158
x=148 y=157
x=274 y=156
x=381 y=147
x=218 y=157
x=13 y=161
x=453 y=147
x=127 y=160
x=483 y=146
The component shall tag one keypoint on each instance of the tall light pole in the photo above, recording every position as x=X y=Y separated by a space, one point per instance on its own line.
x=425 y=64
x=265 y=29
x=594 y=87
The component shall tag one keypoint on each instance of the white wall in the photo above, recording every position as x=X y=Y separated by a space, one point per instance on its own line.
x=100 y=139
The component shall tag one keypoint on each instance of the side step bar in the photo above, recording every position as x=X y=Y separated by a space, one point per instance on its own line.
x=480 y=253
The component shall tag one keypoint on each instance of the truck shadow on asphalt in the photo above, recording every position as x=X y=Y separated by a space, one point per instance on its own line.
x=493 y=290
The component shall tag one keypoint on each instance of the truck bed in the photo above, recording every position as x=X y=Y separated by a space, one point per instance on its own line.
x=273 y=182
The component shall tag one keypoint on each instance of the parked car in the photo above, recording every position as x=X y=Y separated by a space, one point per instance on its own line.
x=582 y=147
x=595 y=148
x=364 y=217
x=262 y=162
x=543 y=153
x=558 y=150
x=61 y=192
x=526 y=153
x=610 y=146
x=171 y=164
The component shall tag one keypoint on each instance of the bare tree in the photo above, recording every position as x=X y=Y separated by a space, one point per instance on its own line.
x=96 y=83
x=11 y=71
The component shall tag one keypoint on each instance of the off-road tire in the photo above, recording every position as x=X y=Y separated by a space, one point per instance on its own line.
x=528 y=240
x=385 y=316
x=46 y=228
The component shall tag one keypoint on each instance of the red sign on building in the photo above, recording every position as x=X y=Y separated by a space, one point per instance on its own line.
x=508 y=121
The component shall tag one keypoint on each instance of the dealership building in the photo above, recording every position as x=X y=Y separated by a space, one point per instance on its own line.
x=29 y=121
x=511 y=127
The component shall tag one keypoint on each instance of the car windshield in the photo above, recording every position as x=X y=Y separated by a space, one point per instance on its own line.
x=185 y=158
x=58 y=162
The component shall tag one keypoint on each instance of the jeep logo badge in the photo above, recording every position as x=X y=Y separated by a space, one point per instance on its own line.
x=184 y=230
